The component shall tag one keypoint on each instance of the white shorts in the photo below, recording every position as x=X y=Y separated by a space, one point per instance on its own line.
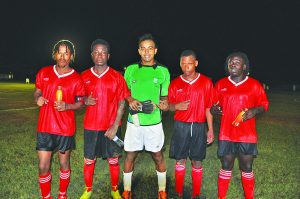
x=152 y=137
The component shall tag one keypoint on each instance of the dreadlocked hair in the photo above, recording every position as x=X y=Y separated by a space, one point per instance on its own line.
x=66 y=43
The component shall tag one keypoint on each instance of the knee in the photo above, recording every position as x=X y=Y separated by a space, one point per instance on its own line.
x=44 y=168
x=158 y=157
x=246 y=167
x=227 y=165
x=64 y=164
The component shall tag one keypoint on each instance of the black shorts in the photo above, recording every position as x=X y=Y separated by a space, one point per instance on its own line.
x=97 y=145
x=52 y=142
x=188 y=140
x=236 y=148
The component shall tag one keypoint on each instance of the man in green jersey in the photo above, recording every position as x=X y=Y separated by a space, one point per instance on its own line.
x=148 y=81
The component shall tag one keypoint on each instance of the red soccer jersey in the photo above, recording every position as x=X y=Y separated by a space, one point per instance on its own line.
x=109 y=88
x=198 y=91
x=233 y=97
x=50 y=120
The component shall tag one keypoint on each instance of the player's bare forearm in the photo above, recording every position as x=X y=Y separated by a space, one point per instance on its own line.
x=111 y=132
x=210 y=132
x=63 y=106
x=133 y=103
x=163 y=104
x=39 y=99
x=252 y=112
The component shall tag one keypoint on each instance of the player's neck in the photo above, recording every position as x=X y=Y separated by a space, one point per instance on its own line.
x=148 y=63
x=100 y=69
x=190 y=76
x=63 y=69
x=238 y=79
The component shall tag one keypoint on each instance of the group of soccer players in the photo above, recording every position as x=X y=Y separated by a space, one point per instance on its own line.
x=147 y=89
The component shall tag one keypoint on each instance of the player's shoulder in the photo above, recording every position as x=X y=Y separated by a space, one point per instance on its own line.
x=205 y=77
x=86 y=71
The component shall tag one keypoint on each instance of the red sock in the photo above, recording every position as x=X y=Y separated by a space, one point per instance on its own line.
x=64 y=179
x=45 y=185
x=248 y=184
x=114 y=169
x=197 y=180
x=223 y=182
x=88 y=172
x=179 y=178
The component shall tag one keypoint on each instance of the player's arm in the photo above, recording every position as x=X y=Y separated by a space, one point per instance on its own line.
x=252 y=112
x=133 y=103
x=111 y=132
x=181 y=106
x=63 y=106
x=39 y=99
x=163 y=103
x=210 y=132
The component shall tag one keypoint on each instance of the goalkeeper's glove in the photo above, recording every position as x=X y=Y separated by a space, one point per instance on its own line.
x=147 y=107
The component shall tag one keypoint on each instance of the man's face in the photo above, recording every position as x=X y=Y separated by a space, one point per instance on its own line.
x=63 y=56
x=236 y=66
x=100 y=55
x=188 y=64
x=147 y=50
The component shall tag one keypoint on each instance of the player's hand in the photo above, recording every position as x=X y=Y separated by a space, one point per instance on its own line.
x=182 y=106
x=163 y=105
x=249 y=113
x=135 y=104
x=111 y=132
x=41 y=101
x=210 y=136
x=60 y=106
x=90 y=100
x=216 y=109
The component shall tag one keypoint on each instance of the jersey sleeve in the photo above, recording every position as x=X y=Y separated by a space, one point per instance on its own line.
x=171 y=94
x=209 y=94
x=127 y=76
x=79 y=89
x=123 y=91
x=165 y=84
x=262 y=97
x=38 y=80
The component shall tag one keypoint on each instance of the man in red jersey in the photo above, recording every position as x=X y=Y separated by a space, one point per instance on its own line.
x=56 y=123
x=106 y=91
x=190 y=97
x=238 y=139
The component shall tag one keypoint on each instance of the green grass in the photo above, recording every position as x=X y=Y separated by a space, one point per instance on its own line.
x=276 y=168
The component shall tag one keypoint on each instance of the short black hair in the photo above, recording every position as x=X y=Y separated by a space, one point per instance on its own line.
x=241 y=55
x=66 y=43
x=186 y=53
x=145 y=37
x=102 y=42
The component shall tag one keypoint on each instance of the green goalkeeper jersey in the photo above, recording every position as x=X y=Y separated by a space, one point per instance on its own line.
x=147 y=83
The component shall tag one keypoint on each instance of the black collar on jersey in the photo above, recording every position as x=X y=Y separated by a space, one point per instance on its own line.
x=154 y=66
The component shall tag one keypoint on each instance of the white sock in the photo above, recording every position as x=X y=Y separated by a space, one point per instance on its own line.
x=162 y=180
x=127 y=180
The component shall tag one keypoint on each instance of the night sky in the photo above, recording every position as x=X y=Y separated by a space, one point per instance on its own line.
x=268 y=32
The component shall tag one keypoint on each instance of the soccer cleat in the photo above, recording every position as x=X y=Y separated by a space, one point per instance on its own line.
x=86 y=194
x=60 y=196
x=162 y=195
x=127 y=195
x=115 y=195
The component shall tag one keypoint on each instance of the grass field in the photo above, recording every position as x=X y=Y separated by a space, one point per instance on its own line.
x=276 y=168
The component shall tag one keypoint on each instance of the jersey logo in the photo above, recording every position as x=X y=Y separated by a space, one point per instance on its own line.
x=179 y=90
x=88 y=81
x=224 y=89
x=155 y=80
x=46 y=78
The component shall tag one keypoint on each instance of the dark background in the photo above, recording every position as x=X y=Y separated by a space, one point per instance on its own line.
x=267 y=31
